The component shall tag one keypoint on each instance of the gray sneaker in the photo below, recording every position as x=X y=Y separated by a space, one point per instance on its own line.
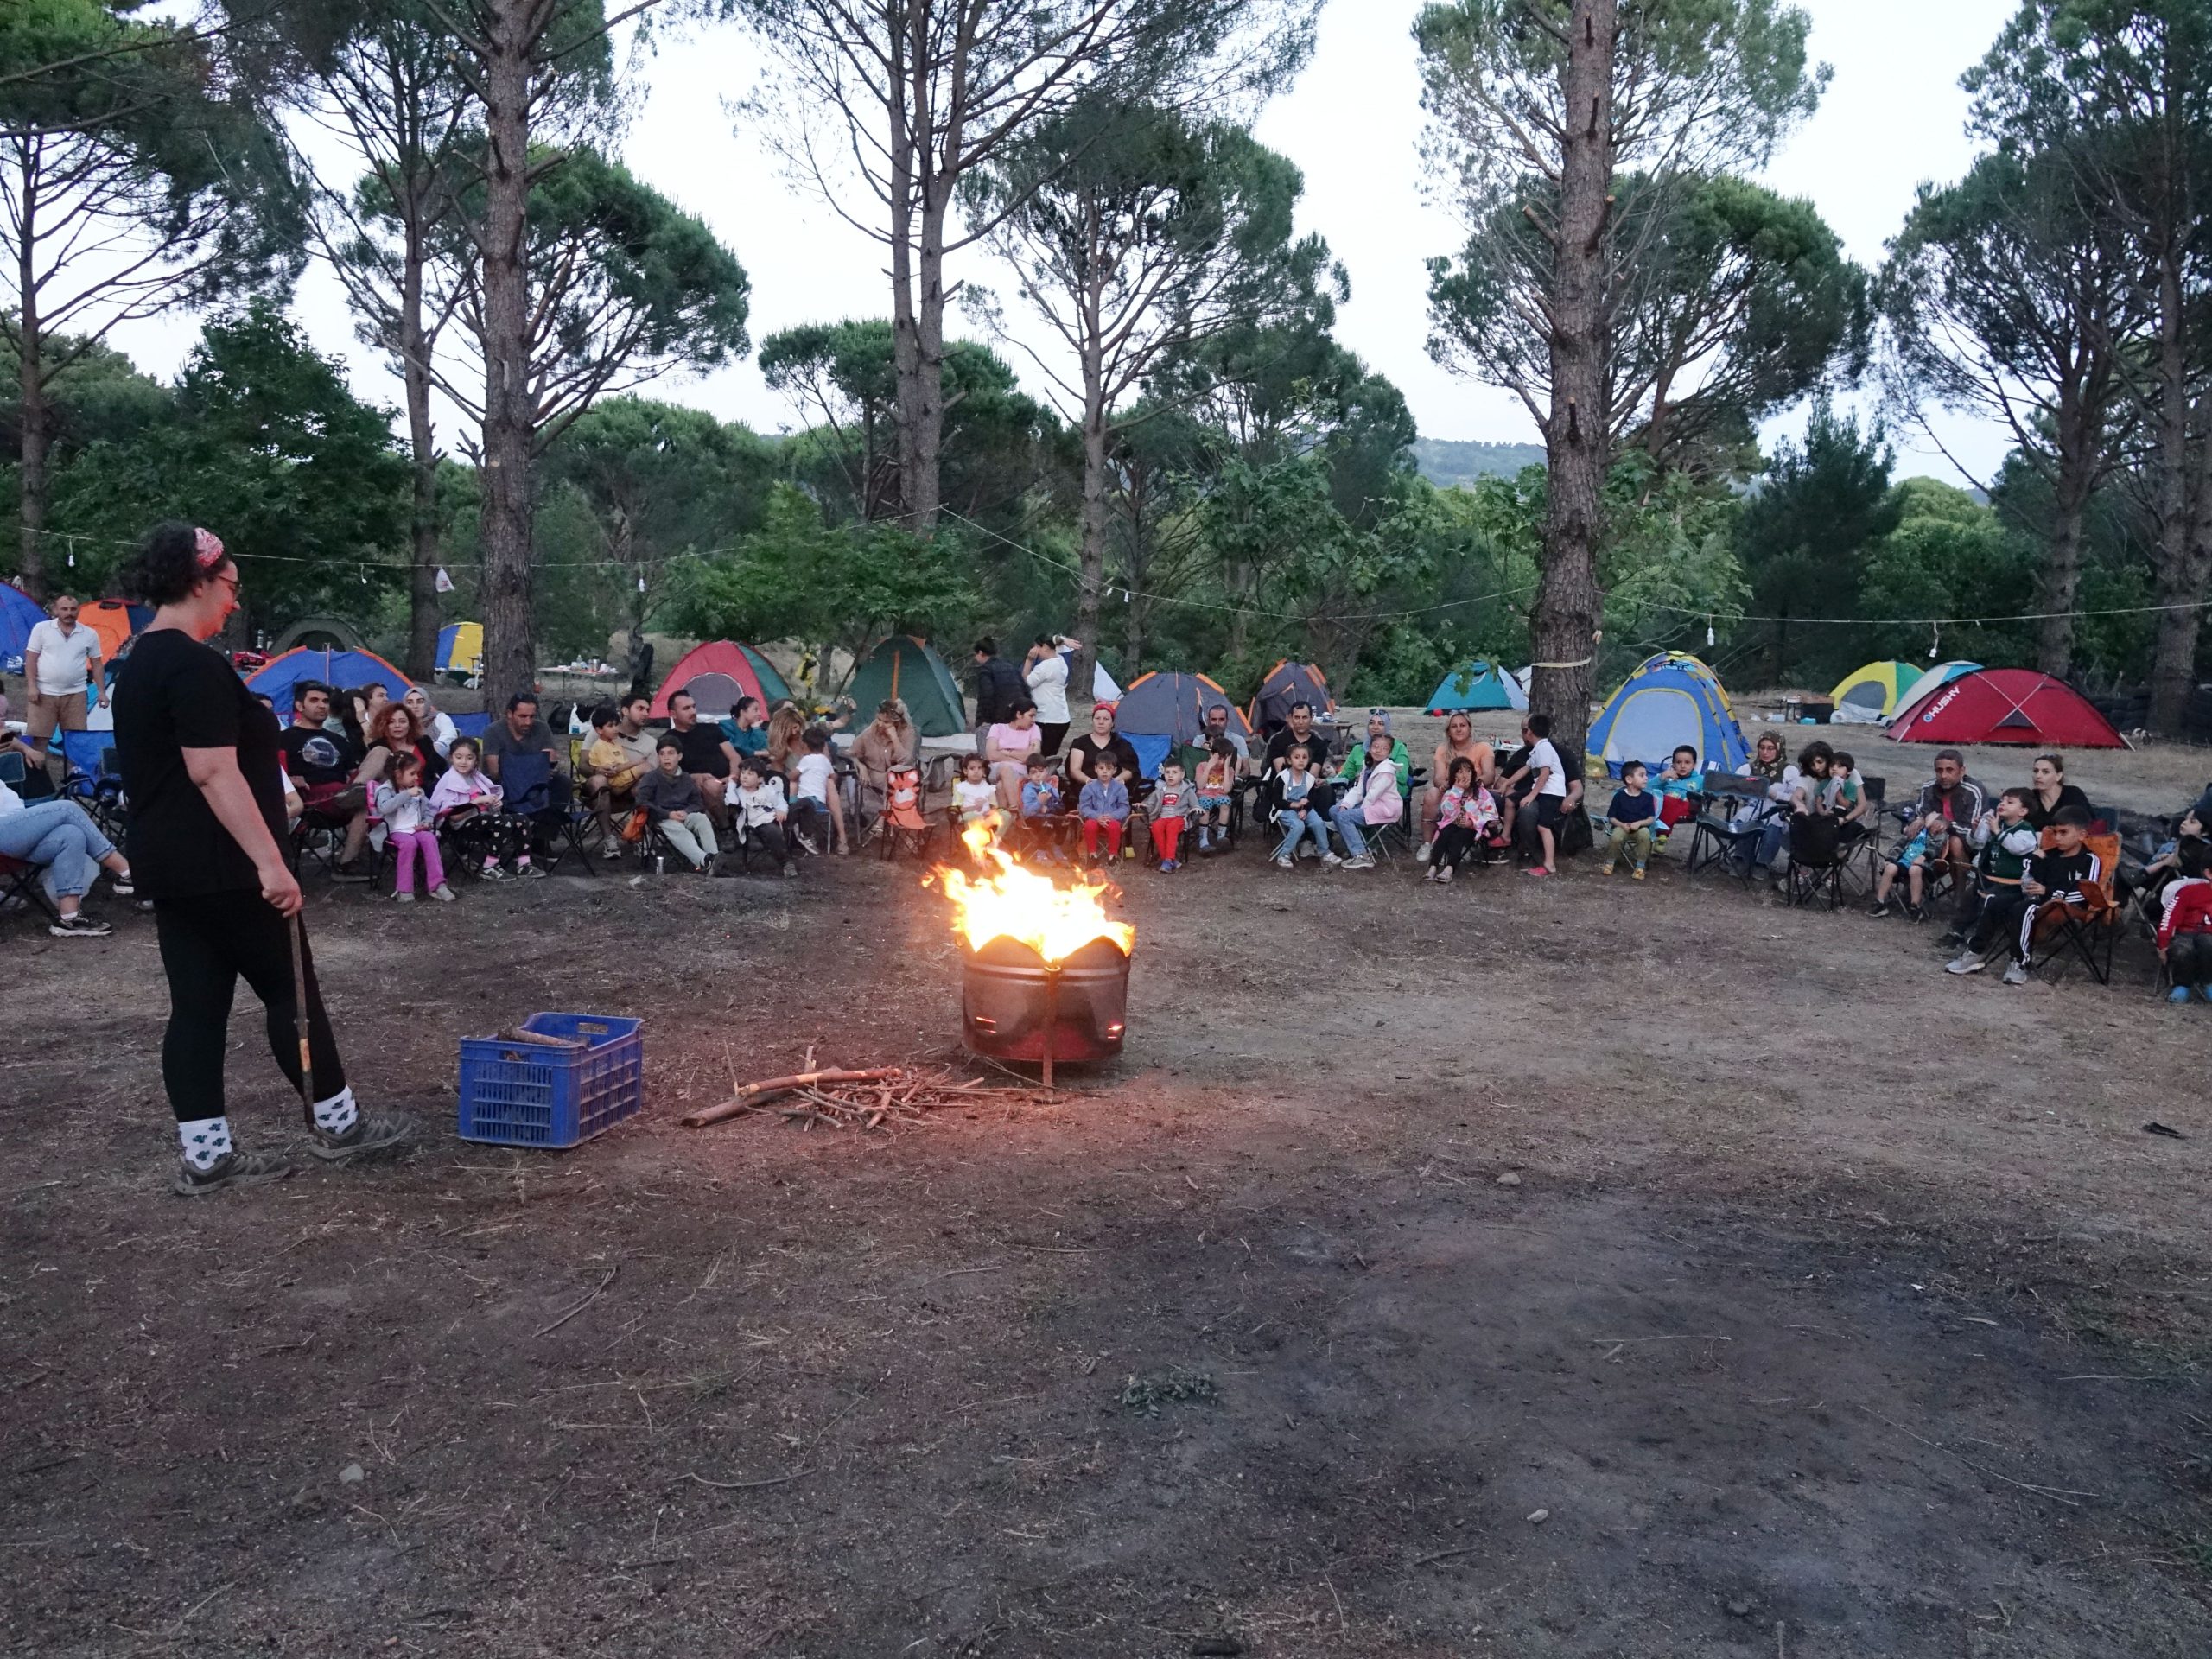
x=236 y=1168
x=374 y=1130
x=1965 y=962
x=2016 y=974
x=1361 y=862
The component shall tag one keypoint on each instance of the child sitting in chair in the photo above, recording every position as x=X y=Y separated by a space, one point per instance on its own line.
x=758 y=812
x=1924 y=840
x=1464 y=815
x=1634 y=812
x=2067 y=877
x=467 y=802
x=1294 y=809
x=408 y=821
x=1105 y=804
x=974 y=798
x=1043 y=823
x=1675 y=788
x=1171 y=804
x=2185 y=926
x=1217 y=784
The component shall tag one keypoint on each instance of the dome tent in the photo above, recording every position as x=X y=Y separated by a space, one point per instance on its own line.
x=461 y=649
x=2008 y=705
x=19 y=615
x=1870 y=694
x=1475 y=687
x=341 y=669
x=906 y=668
x=1159 y=712
x=1671 y=699
x=717 y=674
x=1287 y=683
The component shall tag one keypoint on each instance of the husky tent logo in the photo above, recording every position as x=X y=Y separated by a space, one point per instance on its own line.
x=1942 y=701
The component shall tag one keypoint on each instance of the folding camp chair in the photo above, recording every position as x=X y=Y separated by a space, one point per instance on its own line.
x=1717 y=839
x=1816 y=861
x=1861 y=854
x=534 y=791
x=93 y=778
x=2092 y=933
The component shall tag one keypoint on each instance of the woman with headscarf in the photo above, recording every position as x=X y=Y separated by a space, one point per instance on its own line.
x=432 y=725
x=1378 y=725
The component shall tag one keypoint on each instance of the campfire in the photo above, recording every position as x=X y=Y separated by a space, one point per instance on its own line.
x=1045 y=970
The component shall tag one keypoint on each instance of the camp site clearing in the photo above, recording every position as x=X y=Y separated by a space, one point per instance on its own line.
x=1518 y=1268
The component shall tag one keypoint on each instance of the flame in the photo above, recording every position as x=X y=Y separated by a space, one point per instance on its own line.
x=1020 y=904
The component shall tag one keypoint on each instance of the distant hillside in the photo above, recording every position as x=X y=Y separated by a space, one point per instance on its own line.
x=1446 y=462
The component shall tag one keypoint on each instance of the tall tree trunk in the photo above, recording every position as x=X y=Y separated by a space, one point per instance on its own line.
x=423 y=616
x=1565 y=625
x=2061 y=569
x=906 y=325
x=31 y=404
x=1091 y=579
x=2173 y=659
x=510 y=653
x=924 y=394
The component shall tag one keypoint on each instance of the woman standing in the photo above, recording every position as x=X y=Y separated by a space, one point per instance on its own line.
x=1047 y=672
x=203 y=777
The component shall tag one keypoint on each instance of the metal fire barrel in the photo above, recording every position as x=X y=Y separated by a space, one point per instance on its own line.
x=1015 y=1007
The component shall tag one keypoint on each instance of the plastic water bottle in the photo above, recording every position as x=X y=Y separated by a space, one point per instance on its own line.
x=660 y=864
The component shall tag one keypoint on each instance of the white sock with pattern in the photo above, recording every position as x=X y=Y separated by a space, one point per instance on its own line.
x=336 y=1115
x=205 y=1143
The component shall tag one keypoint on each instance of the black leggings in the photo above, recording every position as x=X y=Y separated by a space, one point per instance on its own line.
x=207 y=945
x=1455 y=845
x=769 y=837
x=2189 y=958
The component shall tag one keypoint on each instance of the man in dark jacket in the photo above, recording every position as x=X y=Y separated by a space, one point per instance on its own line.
x=999 y=686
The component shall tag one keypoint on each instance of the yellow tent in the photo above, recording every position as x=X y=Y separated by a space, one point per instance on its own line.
x=460 y=648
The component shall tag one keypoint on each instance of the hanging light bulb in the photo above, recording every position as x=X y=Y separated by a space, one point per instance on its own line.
x=641 y=582
x=1708 y=633
x=1935 y=641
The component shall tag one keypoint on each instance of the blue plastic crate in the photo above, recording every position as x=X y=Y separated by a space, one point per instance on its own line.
x=519 y=1095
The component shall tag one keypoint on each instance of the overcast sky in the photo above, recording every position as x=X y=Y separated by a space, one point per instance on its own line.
x=1893 y=119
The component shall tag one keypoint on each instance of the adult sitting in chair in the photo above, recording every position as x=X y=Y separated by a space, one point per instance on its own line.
x=708 y=757
x=1303 y=733
x=321 y=765
x=1954 y=803
x=886 y=744
x=57 y=837
x=1081 y=764
x=1216 y=726
x=1378 y=725
x=1458 y=743
x=521 y=733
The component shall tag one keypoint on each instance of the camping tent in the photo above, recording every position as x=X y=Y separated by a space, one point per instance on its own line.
x=1670 y=699
x=19 y=615
x=1103 y=687
x=342 y=669
x=1928 y=685
x=320 y=633
x=1871 y=693
x=461 y=649
x=2007 y=705
x=1475 y=686
x=1287 y=683
x=114 y=622
x=717 y=674
x=907 y=669
x=1160 y=711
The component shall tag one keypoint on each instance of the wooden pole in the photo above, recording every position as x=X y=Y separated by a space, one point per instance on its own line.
x=296 y=933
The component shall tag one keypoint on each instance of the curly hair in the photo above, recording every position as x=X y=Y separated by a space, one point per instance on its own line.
x=168 y=566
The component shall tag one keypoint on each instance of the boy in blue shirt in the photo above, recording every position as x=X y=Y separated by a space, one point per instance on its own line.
x=1105 y=804
x=1633 y=813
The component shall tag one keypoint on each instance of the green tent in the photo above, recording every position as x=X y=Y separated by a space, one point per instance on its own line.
x=906 y=669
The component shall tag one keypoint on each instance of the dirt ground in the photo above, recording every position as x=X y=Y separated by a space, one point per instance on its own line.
x=1839 y=1309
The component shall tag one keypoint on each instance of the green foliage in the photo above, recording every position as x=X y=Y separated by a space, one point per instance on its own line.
x=1948 y=556
x=831 y=586
x=1802 y=536
x=267 y=446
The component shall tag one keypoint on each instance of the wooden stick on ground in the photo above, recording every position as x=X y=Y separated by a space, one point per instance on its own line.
x=754 y=1093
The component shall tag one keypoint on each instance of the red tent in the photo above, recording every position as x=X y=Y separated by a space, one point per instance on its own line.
x=743 y=672
x=2007 y=705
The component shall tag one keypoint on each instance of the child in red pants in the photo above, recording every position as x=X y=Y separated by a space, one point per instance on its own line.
x=1105 y=804
x=1170 y=807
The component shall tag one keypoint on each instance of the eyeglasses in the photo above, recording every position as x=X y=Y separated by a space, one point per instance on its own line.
x=233 y=580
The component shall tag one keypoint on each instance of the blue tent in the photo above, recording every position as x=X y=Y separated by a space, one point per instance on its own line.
x=1670 y=699
x=19 y=615
x=1475 y=687
x=343 y=669
x=1160 y=712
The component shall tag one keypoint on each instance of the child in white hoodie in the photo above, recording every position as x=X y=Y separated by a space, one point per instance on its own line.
x=758 y=812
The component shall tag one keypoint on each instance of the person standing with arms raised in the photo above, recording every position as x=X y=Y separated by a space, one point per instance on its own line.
x=204 y=783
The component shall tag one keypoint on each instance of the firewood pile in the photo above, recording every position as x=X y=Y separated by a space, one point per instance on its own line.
x=881 y=1098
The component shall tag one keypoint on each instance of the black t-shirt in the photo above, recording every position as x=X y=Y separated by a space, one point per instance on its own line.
x=173 y=695
x=318 y=756
x=1316 y=743
x=1083 y=752
x=702 y=749
x=2068 y=794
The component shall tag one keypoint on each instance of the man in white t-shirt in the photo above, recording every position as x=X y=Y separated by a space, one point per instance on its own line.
x=1548 y=782
x=61 y=657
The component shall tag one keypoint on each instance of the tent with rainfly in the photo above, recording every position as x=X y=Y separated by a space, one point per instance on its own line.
x=1870 y=694
x=717 y=674
x=1671 y=699
x=460 y=648
x=1475 y=687
x=907 y=669
x=1287 y=683
x=2008 y=705
x=341 y=669
x=1160 y=712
